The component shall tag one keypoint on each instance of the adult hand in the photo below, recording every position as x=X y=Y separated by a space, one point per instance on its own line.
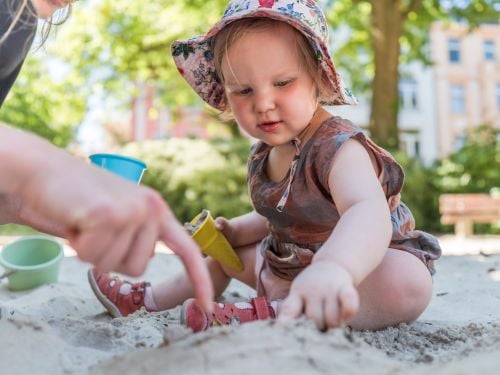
x=110 y=222
x=324 y=292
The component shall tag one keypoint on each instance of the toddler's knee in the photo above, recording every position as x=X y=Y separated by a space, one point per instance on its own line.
x=414 y=294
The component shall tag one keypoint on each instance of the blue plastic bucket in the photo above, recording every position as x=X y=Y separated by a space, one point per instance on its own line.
x=129 y=168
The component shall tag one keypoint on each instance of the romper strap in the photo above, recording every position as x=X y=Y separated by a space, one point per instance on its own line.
x=261 y=307
x=284 y=197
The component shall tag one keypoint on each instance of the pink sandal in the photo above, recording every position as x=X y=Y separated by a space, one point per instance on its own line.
x=107 y=290
x=192 y=316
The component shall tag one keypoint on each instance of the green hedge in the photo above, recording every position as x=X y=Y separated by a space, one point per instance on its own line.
x=472 y=169
x=421 y=193
x=193 y=174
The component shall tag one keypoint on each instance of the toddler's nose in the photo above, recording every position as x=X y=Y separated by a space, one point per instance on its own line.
x=264 y=102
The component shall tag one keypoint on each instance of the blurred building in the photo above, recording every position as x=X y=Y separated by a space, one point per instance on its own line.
x=441 y=102
x=418 y=129
x=150 y=120
x=467 y=80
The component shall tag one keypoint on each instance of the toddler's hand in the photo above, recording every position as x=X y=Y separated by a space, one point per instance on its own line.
x=324 y=292
x=224 y=225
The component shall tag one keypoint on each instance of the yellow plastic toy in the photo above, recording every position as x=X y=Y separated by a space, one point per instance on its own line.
x=213 y=243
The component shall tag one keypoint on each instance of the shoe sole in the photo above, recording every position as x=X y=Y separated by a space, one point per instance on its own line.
x=112 y=309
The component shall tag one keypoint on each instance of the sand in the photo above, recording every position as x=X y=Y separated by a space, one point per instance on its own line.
x=62 y=329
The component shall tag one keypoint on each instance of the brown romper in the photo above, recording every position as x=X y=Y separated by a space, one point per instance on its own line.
x=309 y=215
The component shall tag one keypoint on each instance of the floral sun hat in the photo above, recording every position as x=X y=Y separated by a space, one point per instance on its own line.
x=194 y=57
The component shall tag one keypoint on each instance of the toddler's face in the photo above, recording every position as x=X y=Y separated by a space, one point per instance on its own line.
x=46 y=8
x=270 y=93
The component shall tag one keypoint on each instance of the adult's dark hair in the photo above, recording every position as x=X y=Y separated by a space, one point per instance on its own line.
x=18 y=25
x=18 y=11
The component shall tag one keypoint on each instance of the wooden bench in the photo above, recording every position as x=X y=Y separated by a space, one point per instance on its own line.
x=464 y=210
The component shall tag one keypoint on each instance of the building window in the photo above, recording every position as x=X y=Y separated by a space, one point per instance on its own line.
x=410 y=144
x=459 y=142
x=454 y=50
x=489 y=50
x=497 y=94
x=408 y=94
x=457 y=99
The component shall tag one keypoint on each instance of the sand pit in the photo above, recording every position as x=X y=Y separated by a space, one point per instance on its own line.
x=62 y=329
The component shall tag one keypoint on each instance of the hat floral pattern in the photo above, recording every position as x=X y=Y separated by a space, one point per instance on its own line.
x=194 y=57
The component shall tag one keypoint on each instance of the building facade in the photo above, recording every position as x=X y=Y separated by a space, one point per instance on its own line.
x=440 y=103
x=467 y=80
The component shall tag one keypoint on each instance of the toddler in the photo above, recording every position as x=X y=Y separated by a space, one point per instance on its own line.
x=329 y=237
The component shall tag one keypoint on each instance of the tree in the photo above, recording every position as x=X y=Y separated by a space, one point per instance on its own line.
x=39 y=104
x=115 y=43
x=387 y=32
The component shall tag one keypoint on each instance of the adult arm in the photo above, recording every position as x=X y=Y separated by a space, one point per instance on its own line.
x=110 y=222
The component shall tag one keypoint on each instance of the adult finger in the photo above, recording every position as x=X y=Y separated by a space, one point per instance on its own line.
x=91 y=244
x=117 y=252
x=141 y=250
x=93 y=231
x=176 y=238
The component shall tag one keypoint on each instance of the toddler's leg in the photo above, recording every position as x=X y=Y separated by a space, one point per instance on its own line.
x=397 y=291
x=122 y=298
x=272 y=287
x=176 y=290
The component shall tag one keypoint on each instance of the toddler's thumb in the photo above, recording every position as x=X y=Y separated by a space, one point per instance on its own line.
x=220 y=223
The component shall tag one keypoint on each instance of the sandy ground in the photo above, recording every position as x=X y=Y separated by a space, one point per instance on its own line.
x=62 y=329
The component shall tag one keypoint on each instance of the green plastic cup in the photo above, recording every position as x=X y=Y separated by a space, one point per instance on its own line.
x=31 y=261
